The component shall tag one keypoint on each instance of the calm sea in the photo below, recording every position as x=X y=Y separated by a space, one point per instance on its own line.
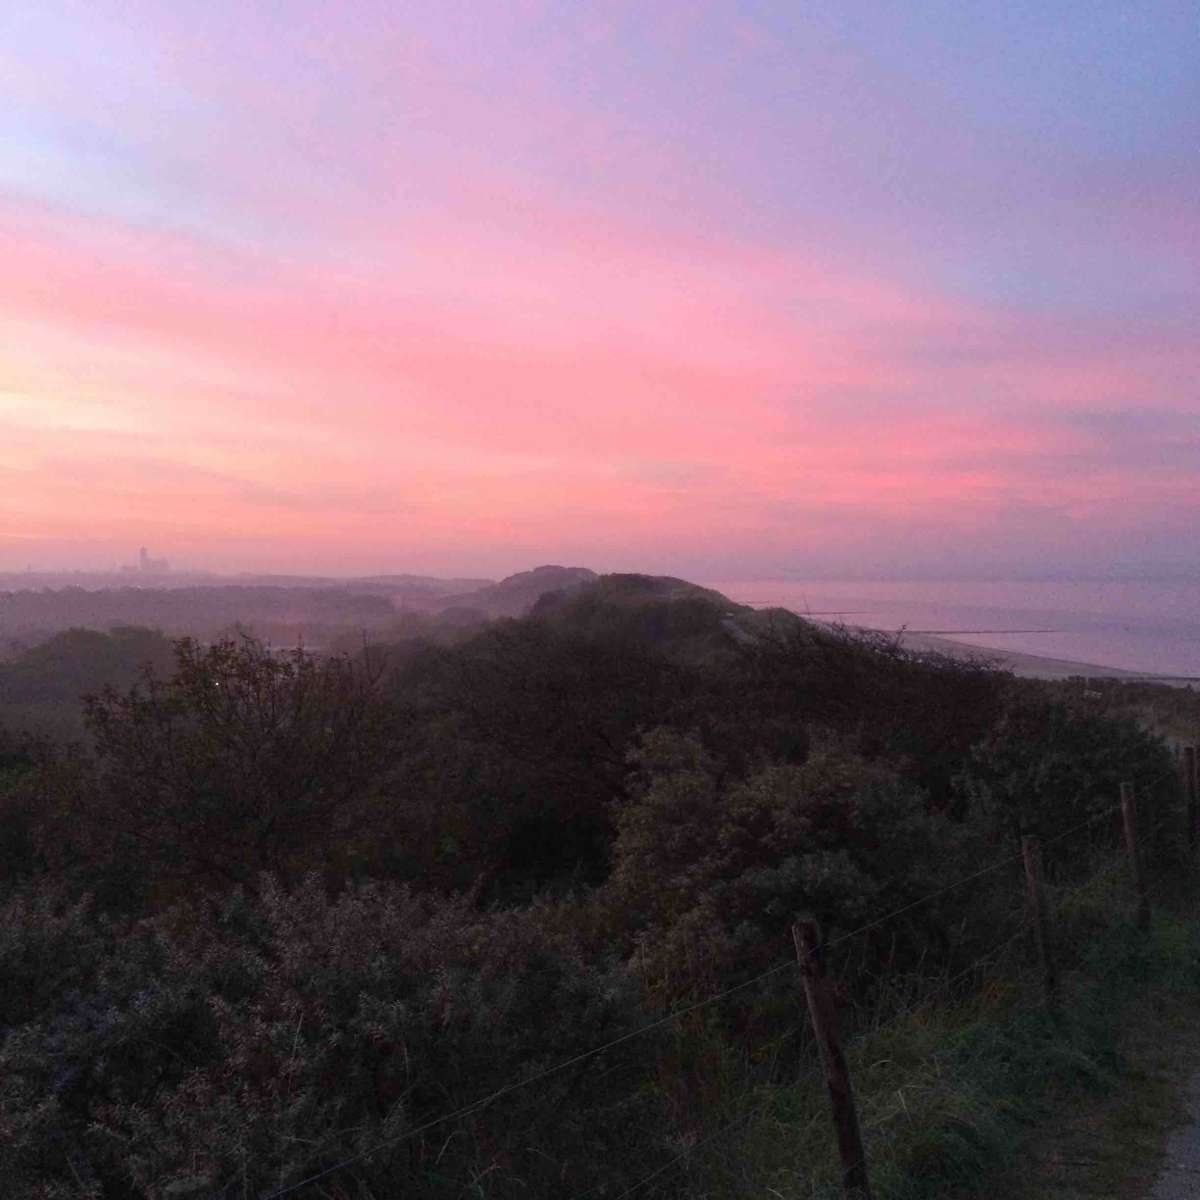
x=1145 y=627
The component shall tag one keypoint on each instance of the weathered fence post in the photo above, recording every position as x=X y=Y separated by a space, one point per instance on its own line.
x=807 y=936
x=1031 y=852
x=1129 y=813
x=1189 y=789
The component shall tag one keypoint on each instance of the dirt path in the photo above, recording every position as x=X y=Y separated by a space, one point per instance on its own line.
x=1179 y=1178
x=1141 y=1139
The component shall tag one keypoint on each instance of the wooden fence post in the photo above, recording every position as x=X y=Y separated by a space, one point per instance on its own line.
x=1031 y=852
x=1129 y=813
x=855 y=1181
x=1189 y=788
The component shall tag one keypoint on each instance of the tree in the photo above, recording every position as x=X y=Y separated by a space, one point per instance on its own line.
x=243 y=761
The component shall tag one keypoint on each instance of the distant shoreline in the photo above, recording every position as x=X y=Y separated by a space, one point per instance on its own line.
x=1037 y=666
x=1163 y=652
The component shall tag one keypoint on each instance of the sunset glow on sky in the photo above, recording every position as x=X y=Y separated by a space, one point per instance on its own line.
x=719 y=290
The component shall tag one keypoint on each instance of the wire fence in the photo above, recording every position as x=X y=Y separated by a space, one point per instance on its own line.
x=907 y=1011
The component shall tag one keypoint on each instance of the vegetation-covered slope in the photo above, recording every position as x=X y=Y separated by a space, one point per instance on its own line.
x=285 y=910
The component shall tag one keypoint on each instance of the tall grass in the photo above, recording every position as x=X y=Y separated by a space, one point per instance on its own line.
x=950 y=1089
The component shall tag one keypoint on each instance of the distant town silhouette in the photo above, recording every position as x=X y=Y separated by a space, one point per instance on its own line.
x=146 y=565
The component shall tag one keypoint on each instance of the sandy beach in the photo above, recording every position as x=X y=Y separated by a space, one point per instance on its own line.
x=1035 y=666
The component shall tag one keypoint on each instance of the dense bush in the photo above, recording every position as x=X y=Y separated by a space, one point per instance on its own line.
x=920 y=711
x=23 y=761
x=1047 y=764
x=40 y=687
x=288 y=1032
x=544 y=716
x=709 y=874
x=242 y=761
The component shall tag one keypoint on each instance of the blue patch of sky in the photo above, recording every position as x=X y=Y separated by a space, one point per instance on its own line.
x=978 y=137
x=956 y=140
x=111 y=135
x=87 y=172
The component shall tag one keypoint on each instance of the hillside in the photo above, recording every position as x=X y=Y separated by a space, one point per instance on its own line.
x=290 y=915
x=194 y=611
x=517 y=594
x=40 y=688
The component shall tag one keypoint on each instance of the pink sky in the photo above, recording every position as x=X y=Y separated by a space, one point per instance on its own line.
x=478 y=286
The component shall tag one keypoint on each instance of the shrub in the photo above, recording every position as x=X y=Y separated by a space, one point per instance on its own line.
x=920 y=711
x=709 y=874
x=242 y=762
x=110 y=1018
x=1046 y=764
x=542 y=719
x=289 y=1032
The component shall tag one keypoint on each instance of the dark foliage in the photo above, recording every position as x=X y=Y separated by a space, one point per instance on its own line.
x=40 y=688
x=243 y=761
x=200 y=610
x=285 y=910
x=528 y=725
x=918 y=710
x=285 y=1033
x=1047 y=763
